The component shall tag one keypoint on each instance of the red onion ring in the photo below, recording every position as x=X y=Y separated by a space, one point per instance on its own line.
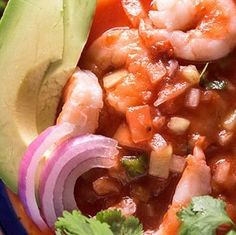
x=64 y=190
x=29 y=165
x=90 y=151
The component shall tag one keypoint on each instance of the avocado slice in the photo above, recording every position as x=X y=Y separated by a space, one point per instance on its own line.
x=77 y=20
x=31 y=38
x=38 y=52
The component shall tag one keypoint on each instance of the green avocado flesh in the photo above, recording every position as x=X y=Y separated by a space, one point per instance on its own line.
x=40 y=44
x=77 y=21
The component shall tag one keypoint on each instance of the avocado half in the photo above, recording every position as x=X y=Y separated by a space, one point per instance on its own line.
x=40 y=44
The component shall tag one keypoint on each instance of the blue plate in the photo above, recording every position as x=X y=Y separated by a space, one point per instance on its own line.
x=9 y=222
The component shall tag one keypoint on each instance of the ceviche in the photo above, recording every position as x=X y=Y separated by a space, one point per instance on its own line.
x=143 y=136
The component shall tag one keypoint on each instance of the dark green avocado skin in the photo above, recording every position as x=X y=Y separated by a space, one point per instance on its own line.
x=9 y=222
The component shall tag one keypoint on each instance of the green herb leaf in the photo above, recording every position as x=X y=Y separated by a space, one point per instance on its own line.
x=211 y=85
x=119 y=224
x=216 y=85
x=134 y=166
x=203 y=216
x=107 y=222
x=231 y=232
x=77 y=224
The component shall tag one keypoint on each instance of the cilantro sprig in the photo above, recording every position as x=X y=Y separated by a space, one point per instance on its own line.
x=119 y=224
x=107 y=222
x=203 y=216
x=211 y=85
x=77 y=224
x=135 y=165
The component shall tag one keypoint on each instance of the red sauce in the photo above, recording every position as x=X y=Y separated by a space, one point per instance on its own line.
x=109 y=14
x=206 y=120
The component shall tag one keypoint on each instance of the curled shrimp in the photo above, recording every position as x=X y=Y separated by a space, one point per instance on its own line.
x=195 y=181
x=114 y=49
x=123 y=48
x=122 y=55
x=83 y=102
x=198 y=30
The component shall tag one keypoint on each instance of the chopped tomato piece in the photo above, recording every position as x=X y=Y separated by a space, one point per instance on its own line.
x=123 y=136
x=140 y=123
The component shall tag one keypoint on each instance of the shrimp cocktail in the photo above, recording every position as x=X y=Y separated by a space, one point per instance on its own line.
x=118 y=117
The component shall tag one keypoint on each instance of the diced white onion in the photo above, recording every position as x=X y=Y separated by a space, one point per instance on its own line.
x=230 y=121
x=111 y=79
x=193 y=98
x=191 y=74
x=177 y=164
x=224 y=137
x=160 y=159
x=158 y=142
x=178 y=125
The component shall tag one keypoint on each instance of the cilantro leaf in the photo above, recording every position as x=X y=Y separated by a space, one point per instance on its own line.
x=77 y=224
x=119 y=224
x=132 y=226
x=231 y=232
x=134 y=166
x=107 y=222
x=216 y=85
x=203 y=216
x=111 y=217
x=211 y=85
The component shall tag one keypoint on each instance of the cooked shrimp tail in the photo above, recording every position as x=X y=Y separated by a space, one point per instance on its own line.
x=83 y=102
x=195 y=181
x=198 y=30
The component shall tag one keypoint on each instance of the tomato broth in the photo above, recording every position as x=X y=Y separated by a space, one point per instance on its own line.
x=208 y=119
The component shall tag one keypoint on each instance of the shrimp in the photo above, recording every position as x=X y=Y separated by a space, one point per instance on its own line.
x=134 y=10
x=198 y=30
x=121 y=56
x=112 y=50
x=117 y=48
x=195 y=181
x=122 y=48
x=83 y=102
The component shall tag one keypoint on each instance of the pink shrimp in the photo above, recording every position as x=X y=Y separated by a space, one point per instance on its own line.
x=128 y=70
x=121 y=48
x=84 y=101
x=199 y=30
x=195 y=181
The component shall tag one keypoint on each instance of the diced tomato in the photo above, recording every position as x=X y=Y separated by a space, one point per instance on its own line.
x=123 y=136
x=171 y=224
x=140 y=123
